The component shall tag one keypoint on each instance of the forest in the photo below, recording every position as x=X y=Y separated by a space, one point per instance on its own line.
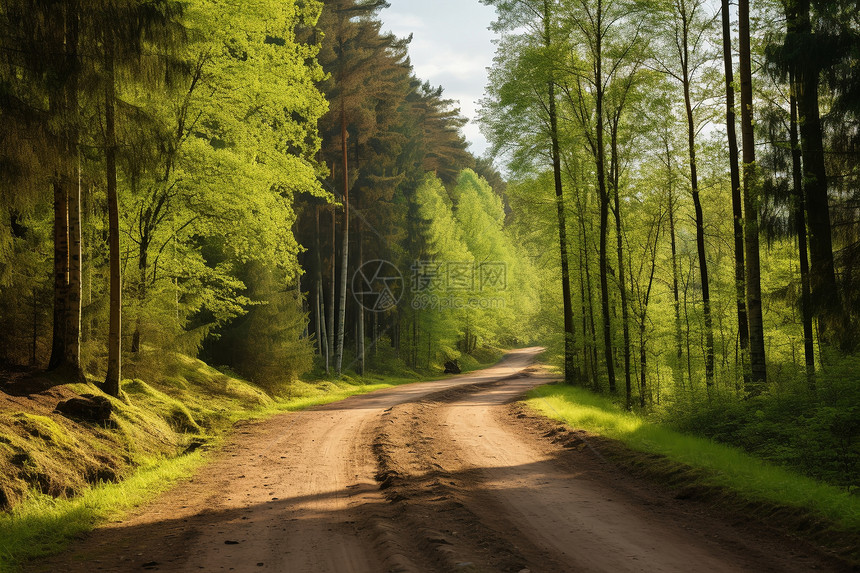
x=669 y=204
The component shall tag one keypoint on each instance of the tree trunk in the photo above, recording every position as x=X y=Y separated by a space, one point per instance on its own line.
x=697 y=203
x=360 y=350
x=142 y=262
x=332 y=283
x=737 y=200
x=600 y=160
x=571 y=375
x=758 y=366
x=832 y=321
x=114 y=370
x=622 y=286
x=61 y=273
x=800 y=224
x=341 y=316
x=320 y=314
x=678 y=370
x=66 y=344
x=73 y=316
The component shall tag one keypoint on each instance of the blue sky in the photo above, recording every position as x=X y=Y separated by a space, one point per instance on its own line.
x=451 y=47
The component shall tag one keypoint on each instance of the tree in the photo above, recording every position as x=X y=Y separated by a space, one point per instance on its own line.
x=737 y=199
x=524 y=81
x=806 y=54
x=758 y=366
x=610 y=37
x=688 y=35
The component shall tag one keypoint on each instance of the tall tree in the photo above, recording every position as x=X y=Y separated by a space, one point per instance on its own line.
x=525 y=81
x=610 y=38
x=687 y=36
x=758 y=366
x=807 y=54
x=735 y=175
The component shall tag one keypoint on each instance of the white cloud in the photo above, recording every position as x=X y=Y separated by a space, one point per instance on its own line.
x=451 y=47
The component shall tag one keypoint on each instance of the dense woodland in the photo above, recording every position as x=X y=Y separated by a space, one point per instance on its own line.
x=676 y=217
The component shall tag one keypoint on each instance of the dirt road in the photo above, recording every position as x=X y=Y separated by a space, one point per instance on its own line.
x=437 y=476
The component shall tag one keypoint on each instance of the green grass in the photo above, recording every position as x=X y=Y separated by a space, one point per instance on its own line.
x=43 y=525
x=722 y=465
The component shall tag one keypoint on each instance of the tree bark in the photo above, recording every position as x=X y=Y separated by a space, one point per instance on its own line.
x=114 y=370
x=697 y=203
x=832 y=324
x=800 y=227
x=758 y=366
x=341 y=316
x=61 y=273
x=332 y=283
x=571 y=375
x=73 y=316
x=622 y=285
x=737 y=200
x=66 y=346
x=678 y=370
x=600 y=160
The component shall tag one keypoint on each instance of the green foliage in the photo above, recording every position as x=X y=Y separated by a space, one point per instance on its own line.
x=816 y=432
x=268 y=345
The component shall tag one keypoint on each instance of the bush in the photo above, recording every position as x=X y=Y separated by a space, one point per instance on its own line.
x=816 y=431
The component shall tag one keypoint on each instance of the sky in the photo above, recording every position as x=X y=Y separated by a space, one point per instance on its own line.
x=452 y=47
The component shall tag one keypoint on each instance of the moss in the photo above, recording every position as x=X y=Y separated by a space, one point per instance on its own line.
x=42 y=427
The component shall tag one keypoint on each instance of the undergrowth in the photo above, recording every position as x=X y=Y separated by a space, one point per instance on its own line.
x=815 y=430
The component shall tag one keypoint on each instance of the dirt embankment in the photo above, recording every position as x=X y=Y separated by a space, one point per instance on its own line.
x=438 y=476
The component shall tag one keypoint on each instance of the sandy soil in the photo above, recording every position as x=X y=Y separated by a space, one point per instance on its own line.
x=437 y=476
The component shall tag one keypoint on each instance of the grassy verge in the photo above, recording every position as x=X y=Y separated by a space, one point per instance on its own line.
x=43 y=525
x=721 y=466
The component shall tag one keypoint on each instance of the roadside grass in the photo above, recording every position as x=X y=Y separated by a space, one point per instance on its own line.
x=43 y=525
x=720 y=465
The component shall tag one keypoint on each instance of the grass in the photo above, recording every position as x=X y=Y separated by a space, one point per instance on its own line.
x=43 y=525
x=722 y=465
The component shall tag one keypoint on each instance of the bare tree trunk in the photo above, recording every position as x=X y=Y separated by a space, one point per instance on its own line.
x=643 y=355
x=341 y=317
x=800 y=224
x=622 y=281
x=319 y=295
x=331 y=284
x=114 y=370
x=73 y=317
x=697 y=203
x=66 y=345
x=61 y=273
x=758 y=366
x=571 y=375
x=360 y=350
x=678 y=370
x=360 y=311
x=832 y=320
x=737 y=199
